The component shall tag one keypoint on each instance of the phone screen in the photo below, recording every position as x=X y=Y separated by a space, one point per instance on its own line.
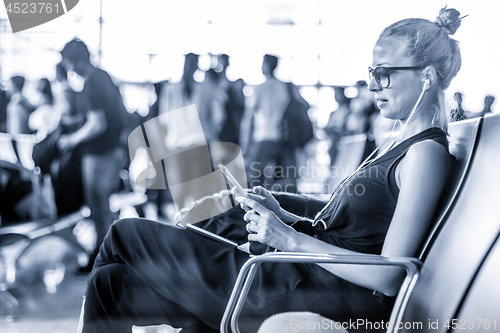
x=233 y=180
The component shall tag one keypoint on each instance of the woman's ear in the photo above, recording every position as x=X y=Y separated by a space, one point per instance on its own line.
x=429 y=77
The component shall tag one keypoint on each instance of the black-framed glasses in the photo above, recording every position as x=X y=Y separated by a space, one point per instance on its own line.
x=382 y=75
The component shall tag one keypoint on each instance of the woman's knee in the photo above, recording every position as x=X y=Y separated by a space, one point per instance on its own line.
x=100 y=285
x=107 y=301
x=109 y=283
x=126 y=222
x=101 y=278
x=132 y=226
x=132 y=238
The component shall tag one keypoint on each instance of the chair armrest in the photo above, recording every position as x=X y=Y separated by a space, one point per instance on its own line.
x=248 y=270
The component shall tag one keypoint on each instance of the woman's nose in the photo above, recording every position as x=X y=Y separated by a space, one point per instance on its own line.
x=373 y=85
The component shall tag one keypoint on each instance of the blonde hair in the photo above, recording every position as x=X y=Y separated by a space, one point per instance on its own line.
x=430 y=44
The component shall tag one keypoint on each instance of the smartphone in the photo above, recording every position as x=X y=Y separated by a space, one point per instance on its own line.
x=249 y=247
x=233 y=181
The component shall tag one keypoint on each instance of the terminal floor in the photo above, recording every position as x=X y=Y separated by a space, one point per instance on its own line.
x=48 y=289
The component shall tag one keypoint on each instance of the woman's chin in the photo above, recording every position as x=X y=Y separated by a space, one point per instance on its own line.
x=388 y=114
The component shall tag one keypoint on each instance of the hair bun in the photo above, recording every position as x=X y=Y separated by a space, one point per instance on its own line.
x=448 y=19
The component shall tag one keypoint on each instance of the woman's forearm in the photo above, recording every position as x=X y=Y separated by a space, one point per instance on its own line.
x=384 y=279
x=288 y=217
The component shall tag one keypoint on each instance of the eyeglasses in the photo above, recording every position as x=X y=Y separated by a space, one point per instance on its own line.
x=382 y=74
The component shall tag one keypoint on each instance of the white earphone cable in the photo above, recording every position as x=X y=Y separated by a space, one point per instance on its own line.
x=368 y=161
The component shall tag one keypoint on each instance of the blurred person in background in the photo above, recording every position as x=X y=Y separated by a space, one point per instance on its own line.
x=18 y=109
x=206 y=96
x=363 y=113
x=44 y=87
x=45 y=119
x=364 y=104
x=99 y=138
x=154 y=109
x=178 y=95
x=357 y=120
x=178 y=134
x=336 y=127
x=185 y=92
x=267 y=150
x=235 y=103
x=4 y=101
x=68 y=100
x=213 y=99
x=66 y=168
x=182 y=140
x=488 y=102
x=158 y=199
x=458 y=113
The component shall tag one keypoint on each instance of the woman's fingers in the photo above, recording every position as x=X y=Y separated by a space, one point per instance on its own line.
x=255 y=197
x=258 y=193
x=253 y=204
x=251 y=216
x=245 y=207
x=252 y=227
x=261 y=191
x=236 y=191
x=254 y=232
x=253 y=237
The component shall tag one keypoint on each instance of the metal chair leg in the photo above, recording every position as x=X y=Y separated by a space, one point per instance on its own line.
x=79 y=329
x=11 y=303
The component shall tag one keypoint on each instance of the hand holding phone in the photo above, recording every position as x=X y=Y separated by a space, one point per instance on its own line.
x=254 y=247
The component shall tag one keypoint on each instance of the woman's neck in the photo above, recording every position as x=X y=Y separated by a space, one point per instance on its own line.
x=421 y=120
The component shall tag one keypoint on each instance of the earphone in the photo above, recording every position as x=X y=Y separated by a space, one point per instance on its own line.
x=427 y=83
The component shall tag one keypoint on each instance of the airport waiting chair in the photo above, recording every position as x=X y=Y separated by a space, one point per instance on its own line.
x=7 y=152
x=480 y=309
x=17 y=153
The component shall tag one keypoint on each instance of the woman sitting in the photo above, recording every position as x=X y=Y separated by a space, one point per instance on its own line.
x=150 y=273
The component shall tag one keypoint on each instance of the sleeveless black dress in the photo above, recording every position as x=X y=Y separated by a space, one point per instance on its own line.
x=178 y=277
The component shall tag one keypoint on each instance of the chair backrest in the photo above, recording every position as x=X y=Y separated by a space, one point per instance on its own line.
x=24 y=144
x=481 y=307
x=7 y=152
x=17 y=150
x=462 y=138
x=467 y=234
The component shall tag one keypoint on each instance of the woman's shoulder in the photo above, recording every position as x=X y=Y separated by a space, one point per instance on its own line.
x=426 y=155
x=432 y=142
x=429 y=148
x=425 y=164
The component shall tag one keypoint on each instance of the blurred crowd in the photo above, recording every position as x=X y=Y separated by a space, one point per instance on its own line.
x=80 y=138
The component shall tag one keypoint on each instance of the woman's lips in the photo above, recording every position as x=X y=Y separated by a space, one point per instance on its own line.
x=381 y=102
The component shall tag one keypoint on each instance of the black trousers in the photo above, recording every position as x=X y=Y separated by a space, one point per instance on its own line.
x=149 y=273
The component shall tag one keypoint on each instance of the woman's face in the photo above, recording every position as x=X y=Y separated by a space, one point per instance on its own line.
x=398 y=99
